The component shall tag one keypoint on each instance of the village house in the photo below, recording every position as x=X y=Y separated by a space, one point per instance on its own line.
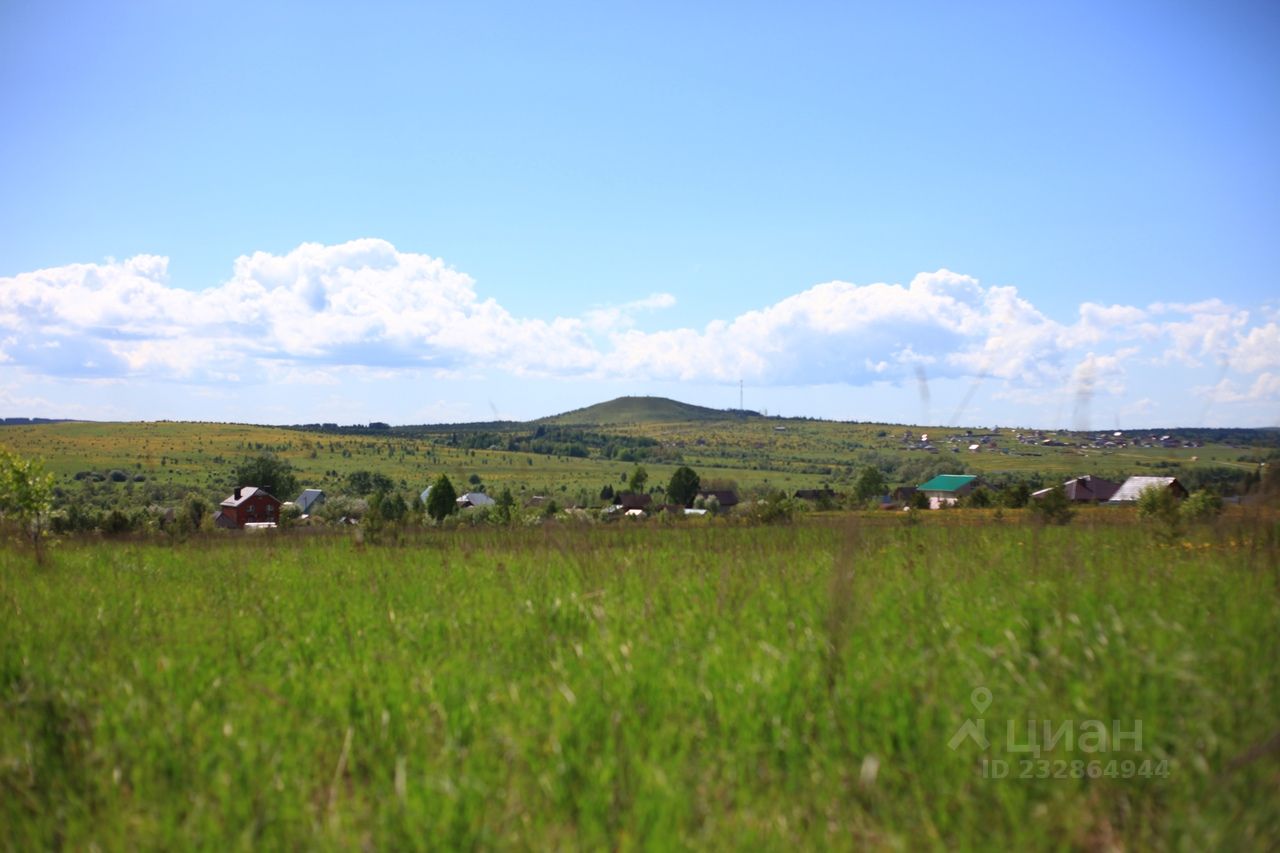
x=475 y=499
x=247 y=505
x=1133 y=487
x=726 y=498
x=947 y=489
x=309 y=500
x=633 y=501
x=1086 y=489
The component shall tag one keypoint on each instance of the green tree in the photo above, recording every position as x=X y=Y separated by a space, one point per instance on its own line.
x=193 y=513
x=26 y=494
x=684 y=485
x=639 y=477
x=979 y=498
x=870 y=484
x=1052 y=508
x=368 y=483
x=504 y=510
x=1016 y=496
x=443 y=500
x=270 y=473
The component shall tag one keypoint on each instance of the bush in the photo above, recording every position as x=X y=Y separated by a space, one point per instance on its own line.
x=1203 y=505
x=776 y=508
x=1016 y=496
x=342 y=506
x=1159 y=506
x=116 y=523
x=979 y=498
x=1053 y=508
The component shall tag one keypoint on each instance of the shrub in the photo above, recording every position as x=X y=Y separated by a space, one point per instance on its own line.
x=1052 y=508
x=775 y=508
x=1016 y=496
x=980 y=498
x=116 y=523
x=1159 y=506
x=1203 y=505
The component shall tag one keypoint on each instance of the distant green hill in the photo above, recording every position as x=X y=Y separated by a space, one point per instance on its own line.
x=637 y=410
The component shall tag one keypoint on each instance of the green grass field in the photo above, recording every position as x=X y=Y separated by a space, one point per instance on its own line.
x=646 y=686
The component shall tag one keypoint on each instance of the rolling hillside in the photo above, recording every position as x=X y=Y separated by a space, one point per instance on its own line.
x=641 y=410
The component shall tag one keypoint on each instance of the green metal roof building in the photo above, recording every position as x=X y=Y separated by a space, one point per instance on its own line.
x=946 y=489
x=948 y=483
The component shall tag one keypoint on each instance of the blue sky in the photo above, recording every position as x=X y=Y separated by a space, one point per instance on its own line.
x=991 y=213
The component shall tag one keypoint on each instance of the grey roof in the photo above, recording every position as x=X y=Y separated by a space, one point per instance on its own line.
x=246 y=492
x=308 y=497
x=1135 y=486
x=476 y=499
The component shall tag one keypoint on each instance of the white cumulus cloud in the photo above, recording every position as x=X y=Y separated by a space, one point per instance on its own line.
x=319 y=315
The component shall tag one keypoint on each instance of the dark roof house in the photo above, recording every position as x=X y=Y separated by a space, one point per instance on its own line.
x=815 y=494
x=1086 y=489
x=633 y=500
x=725 y=497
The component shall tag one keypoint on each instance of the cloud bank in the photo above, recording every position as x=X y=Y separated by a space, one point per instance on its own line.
x=304 y=316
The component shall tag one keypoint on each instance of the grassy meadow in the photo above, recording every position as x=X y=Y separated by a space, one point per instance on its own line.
x=647 y=686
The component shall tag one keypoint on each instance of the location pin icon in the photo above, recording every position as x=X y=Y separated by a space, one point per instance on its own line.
x=981 y=699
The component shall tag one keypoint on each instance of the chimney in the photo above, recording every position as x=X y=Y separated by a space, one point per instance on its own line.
x=237 y=493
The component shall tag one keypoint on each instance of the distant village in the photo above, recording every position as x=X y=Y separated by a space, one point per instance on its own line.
x=253 y=508
x=976 y=442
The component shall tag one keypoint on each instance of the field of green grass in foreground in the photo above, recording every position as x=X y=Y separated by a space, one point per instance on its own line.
x=709 y=686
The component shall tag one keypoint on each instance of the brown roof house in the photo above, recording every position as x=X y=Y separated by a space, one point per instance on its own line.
x=633 y=500
x=1086 y=489
x=725 y=497
x=248 y=505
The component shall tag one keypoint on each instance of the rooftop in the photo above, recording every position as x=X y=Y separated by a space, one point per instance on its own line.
x=947 y=482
